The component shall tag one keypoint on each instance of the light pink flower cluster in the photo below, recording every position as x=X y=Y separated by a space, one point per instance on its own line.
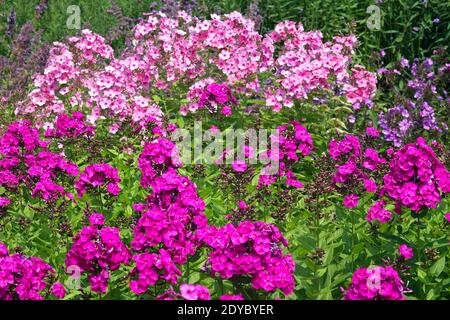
x=376 y=283
x=85 y=74
x=166 y=52
x=250 y=249
x=416 y=178
x=291 y=143
x=21 y=277
x=98 y=250
x=361 y=87
x=97 y=175
x=304 y=63
x=177 y=49
x=26 y=160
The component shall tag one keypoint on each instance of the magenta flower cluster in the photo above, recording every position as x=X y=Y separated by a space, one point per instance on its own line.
x=66 y=126
x=98 y=250
x=4 y=202
x=21 y=277
x=378 y=212
x=291 y=142
x=354 y=164
x=210 y=95
x=98 y=175
x=151 y=268
x=170 y=217
x=156 y=158
x=375 y=283
x=26 y=160
x=194 y=292
x=250 y=249
x=405 y=251
x=416 y=177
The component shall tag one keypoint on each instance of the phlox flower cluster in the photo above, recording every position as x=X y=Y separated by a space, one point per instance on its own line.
x=194 y=292
x=213 y=96
x=395 y=124
x=21 y=277
x=361 y=88
x=378 y=212
x=306 y=63
x=416 y=177
x=177 y=48
x=250 y=249
x=375 y=283
x=405 y=251
x=170 y=217
x=151 y=268
x=85 y=74
x=4 y=202
x=98 y=175
x=291 y=143
x=353 y=164
x=166 y=51
x=67 y=126
x=157 y=157
x=25 y=159
x=58 y=290
x=98 y=250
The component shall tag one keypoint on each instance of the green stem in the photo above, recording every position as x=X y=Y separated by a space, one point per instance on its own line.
x=353 y=239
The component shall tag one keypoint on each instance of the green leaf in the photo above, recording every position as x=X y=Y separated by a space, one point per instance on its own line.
x=438 y=267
